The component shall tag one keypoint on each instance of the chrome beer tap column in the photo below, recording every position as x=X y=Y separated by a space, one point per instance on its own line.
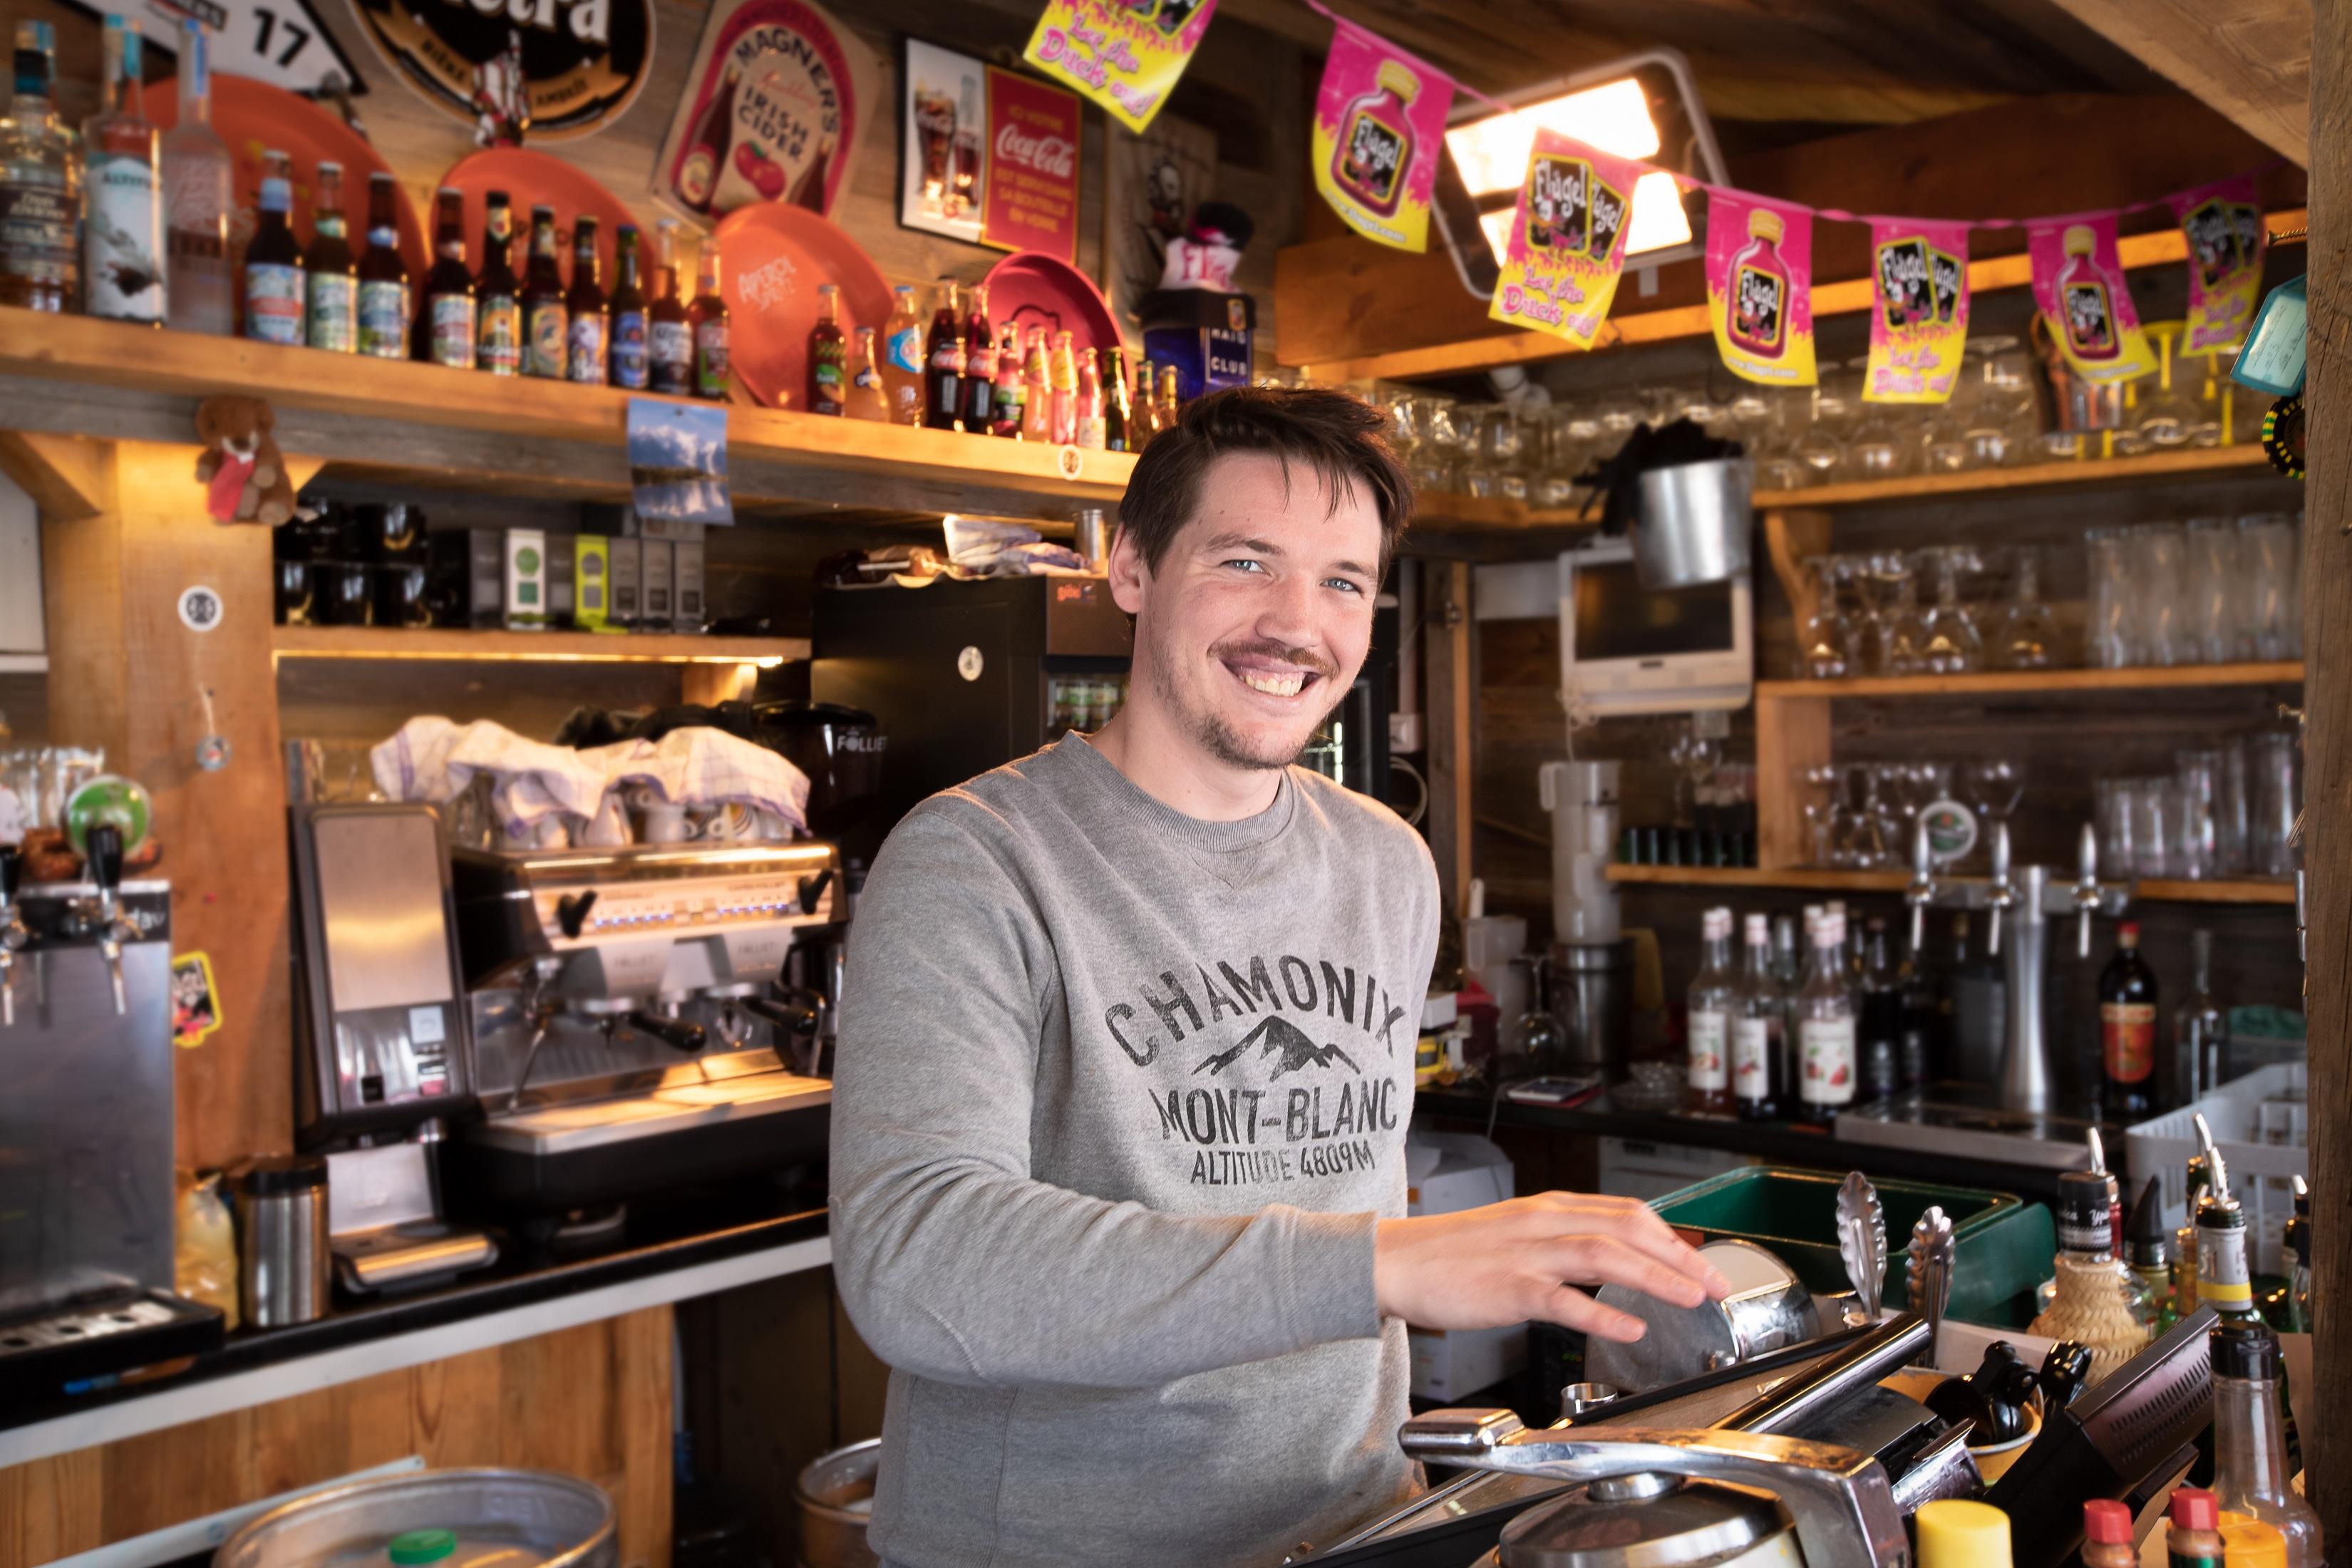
x=1922 y=891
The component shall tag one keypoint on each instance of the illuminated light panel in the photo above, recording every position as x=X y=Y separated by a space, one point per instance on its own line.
x=1492 y=153
x=1658 y=219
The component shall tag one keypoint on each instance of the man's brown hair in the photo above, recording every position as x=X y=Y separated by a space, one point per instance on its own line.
x=1336 y=435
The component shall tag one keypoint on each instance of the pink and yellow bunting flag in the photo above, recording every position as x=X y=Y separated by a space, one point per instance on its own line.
x=1567 y=240
x=1126 y=55
x=2079 y=288
x=2223 y=224
x=1760 y=287
x=1380 y=123
x=1919 y=310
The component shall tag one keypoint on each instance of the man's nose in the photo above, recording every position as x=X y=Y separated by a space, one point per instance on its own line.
x=1288 y=614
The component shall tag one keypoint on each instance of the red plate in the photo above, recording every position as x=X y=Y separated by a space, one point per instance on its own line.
x=529 y=178
x=771 y=258
x=254 y=117
x=1030 y=288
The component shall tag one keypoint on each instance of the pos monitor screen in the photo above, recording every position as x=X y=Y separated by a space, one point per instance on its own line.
x=1626 y=649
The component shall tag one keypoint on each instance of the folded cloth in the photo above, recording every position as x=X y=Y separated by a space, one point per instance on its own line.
x=435 y=759
x=700 y=766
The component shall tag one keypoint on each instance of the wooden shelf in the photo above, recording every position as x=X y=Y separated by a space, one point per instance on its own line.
x=75 y=377
x=1814 y=879
x=2015 y=682
x=504 y=646
x=2111 y=471
x=1440 y=510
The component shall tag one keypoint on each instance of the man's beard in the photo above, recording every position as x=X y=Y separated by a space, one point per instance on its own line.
x=1209 y=727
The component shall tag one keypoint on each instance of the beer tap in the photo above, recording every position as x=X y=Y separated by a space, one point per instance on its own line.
x=13 y=934
x=2086 y=889
x=102 y=848
x=2001 y=894
x=1922 y=891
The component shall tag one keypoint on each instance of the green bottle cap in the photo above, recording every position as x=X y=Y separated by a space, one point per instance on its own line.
x=423 y=1546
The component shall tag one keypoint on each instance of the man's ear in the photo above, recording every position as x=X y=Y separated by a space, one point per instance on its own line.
x=1130 y=578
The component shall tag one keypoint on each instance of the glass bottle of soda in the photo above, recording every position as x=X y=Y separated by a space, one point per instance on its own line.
x=1063 y=368
x=498 y=293
x=546 y=325
x=332 y=274
x=669 y=341
x=2128 y=1029
x=1169 y=404
x=450 y=299
x=866 y=398
x=274 y=286
x=828 y=356
x=1037 y=388
x=385 y=305
x=707 y=316
x=978 y=365
x=902 y=358
x=1009 y=400
x=632 y=366
x=1090 y=402
x=944 y=374
x=589 y=321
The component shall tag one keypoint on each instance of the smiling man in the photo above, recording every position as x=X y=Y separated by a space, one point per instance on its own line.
x=1126 y=1061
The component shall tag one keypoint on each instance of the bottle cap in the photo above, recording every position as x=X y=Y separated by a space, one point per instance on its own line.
x=2193 y=1507
x=420 y=1546
x=2127 y=935
x=1952 y=1529
x=2107 y=1522
x=1759 y=929
x=2246 y=1350
x=2084 y=1222
x=2078 y=240
x=2247 y=1543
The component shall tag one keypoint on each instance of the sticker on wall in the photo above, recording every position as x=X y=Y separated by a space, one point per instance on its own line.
x=195 y=1000
x=200 y=608
x=677 y=461
x=776 y=97
x=1380 y=120
x=558 y=69
x=1126 y=55
x=2223 y=225
x=1919 y=314
x=1760 y=287
x=1567 y=240
x=2079 y=288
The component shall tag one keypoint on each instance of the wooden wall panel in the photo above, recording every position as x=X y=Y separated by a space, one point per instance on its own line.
x=593 y=1401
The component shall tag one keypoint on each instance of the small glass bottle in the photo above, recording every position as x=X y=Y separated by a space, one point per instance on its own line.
x=587 y=313
x=450 y=295
x=902 y=358
x=1143 y=421
x=2091 y=1305
x=2250 y=1471
x=331 y=273
x=274 y=286
x=2201 y=1028
x=1037 y=390
x=40 y=186
x=1091 y=402
x=1167 y=404
x=866 y=398
x=2107 y=1535
x=1008 y=399
x=1758 y=305
x=2192 y=1537
x=944 y=364
x=1375 y=145
x=978 y=365
x=2084 y=303
x=1825 y=1028
x=384 y=306
x=499 y=335
x=199 y=194
x=2224 y=1279
x=1880 y=1015
x=1119 y=419
x=1759 y=1019
x=1708 y=1017
x=632 y=366
x=713 y=365
x=2147 y=1255
x=547 y=326
x=122 y=223
x=828 y=355
x=2127 y=1028
x=1062 y=368
x=669 y=342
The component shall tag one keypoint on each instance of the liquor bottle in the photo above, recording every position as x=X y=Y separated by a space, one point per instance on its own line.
x=943 y=360
x=979 y=365
x=497 y=313
x=1063 y=370
x=707 y=315
x=1921 y=1049
x=902 y=358
x=383 y=300
x=2147 y=1255
x=1037 y=390
x=2092 y=1302
x=122 y=221
x=828 y=355
x=331 y=273
x=1117 y=416
x=697 y=180
x=808 y=191
x=40 y=186
x=547 y=328
x=1788 y=958
x=1758 y=1016
x=198 y=196
x=2250 y=1467
x=1090 y=405
x=632 y=363
x=1713 y=1000
x=588 y=319
x=2200 y=1030
x=2224 y=1281
x=1143 y=413
x=669 y=342
x=1008 y=399
x=1165 y=404
x=866 y=398
x=2127 y=1028
x=451 y=300
x=1882 y=1014
x=1825 y=1028
x=275 y=288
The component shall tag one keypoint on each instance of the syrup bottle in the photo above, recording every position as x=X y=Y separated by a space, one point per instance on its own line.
x=1376 y=147
x=1759 y=288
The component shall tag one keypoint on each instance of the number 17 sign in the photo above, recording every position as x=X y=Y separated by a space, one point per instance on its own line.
x=281 y=42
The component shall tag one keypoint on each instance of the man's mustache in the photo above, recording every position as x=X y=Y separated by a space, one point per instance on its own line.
x=1305 y=658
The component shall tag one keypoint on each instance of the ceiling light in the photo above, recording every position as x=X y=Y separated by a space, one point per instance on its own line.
x=1492 y=153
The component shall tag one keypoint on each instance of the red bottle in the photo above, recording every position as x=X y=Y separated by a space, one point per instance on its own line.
x=1376 y=140
x=1759 y=288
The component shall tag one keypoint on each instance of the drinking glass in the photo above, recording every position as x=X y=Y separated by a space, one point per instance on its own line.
x=2112 y=810
x=2272 y=613
x=1992 y=787
x=2218 y=408
x=2168 y=413
x=2274 y=803
x=1447 y=436
x=2110 y=613
x=2216 y=590
x=1951 y=644
x=2158 y=560
x=1901 y=648
x=2153 y=832
x=2196 y=783
x=2233 y=820
x=2026 y=635
x=1826 y=641
x=1821 y=815
x=1879 y=446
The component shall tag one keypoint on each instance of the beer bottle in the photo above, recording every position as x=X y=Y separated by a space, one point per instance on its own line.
x=450 y=299
x=1091 y=402
x=631 y=366
x=1063 y=368
x=707 y=315
x=943 y=380
x=1118 y=413
x=1167 y=405
x=545 y=323
x=333 y=276
x=383 y=297
x=978 y=365
x=498 y=293
x=669 y=341
x=1037 y=389
x=274 y=289
x=589 y=324
x=827 y=356
x=866 y=398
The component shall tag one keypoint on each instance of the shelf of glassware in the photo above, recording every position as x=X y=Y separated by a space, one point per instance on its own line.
x=2021 y=682
x=492 y=645
x=1814 y=879
x=2085 y=471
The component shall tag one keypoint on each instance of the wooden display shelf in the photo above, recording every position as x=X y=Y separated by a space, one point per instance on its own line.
x=2172 y=891
x=509 y=647
x=2014 y=682
x=2089 y=471
x=1440 y=510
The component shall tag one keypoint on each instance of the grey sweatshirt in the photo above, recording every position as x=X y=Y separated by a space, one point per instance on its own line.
x=1120 y=1096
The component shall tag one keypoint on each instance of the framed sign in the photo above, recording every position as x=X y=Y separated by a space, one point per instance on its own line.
x=1030 y=173
x=571 y=65
x=775 y=99
x=943 y=128
x=281 y=42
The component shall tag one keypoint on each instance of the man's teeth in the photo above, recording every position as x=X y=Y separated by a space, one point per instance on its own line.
x=1276 y=685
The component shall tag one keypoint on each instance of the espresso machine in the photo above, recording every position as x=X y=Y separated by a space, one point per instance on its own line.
x=85 y=1129
x=642 y=1018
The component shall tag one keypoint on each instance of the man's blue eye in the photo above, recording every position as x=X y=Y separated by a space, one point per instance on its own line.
x=1343 y=583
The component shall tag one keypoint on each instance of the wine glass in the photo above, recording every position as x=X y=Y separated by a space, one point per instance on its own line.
x=1825 y=641
x=1992 y=787
x=2167 y=414
x=1902 y=630
x=2026 y=635
x=1951 y=643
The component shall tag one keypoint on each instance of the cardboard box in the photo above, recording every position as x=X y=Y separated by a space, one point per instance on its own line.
x=656 y=585
x=1449 y=1365
x=560 y=589
x=469 y=568
x=591 y=577
x=628 y=571
x=689 y=611
x=525 y=579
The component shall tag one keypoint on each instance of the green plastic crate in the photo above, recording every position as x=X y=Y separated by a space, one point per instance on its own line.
x=2006 y=1245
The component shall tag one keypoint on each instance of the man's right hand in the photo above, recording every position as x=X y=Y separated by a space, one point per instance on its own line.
x=1509 y=1262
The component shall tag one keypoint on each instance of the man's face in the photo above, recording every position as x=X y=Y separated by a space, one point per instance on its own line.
x=1258 y=617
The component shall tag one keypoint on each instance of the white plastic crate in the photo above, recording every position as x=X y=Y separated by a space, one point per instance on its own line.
x=2259 y=1124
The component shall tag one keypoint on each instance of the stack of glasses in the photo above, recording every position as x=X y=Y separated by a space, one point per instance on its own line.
x=2214 y=590
x=2223 y=811
x=1985 y=613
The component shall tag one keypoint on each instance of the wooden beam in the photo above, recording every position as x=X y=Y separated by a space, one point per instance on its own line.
x=1452 y=698
x=2327 y=773
x=2248 y=59
x=65 y=475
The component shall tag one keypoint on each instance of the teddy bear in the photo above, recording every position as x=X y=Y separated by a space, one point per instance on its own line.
x=242 y=470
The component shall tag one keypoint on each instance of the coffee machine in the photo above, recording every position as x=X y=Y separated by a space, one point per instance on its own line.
x=85 y=1129
x=642 y=1018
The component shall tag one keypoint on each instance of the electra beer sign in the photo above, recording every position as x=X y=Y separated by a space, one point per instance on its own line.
x=554 y=68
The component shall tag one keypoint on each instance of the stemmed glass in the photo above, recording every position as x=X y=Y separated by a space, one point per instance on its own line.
x=1820 y=446
x=2026 y=635
x=1992 y=787
x=1951 y=645
x=1902 y=631
x=1826 y=641
x=2168 y=415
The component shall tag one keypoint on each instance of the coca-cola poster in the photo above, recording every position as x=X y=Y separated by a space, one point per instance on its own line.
x=1031 y=171
x=942 y=137
x=775 y=99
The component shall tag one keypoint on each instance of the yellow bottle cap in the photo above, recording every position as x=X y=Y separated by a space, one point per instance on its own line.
x=1763 y=223
x=1957 y=1534
x=1398 y=78
x=2247 y=1543
x=2078 y=240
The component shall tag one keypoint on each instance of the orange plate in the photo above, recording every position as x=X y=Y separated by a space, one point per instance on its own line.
x=771 y=258
x=1030 y=288
x=253 y=117
x=531 y=177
